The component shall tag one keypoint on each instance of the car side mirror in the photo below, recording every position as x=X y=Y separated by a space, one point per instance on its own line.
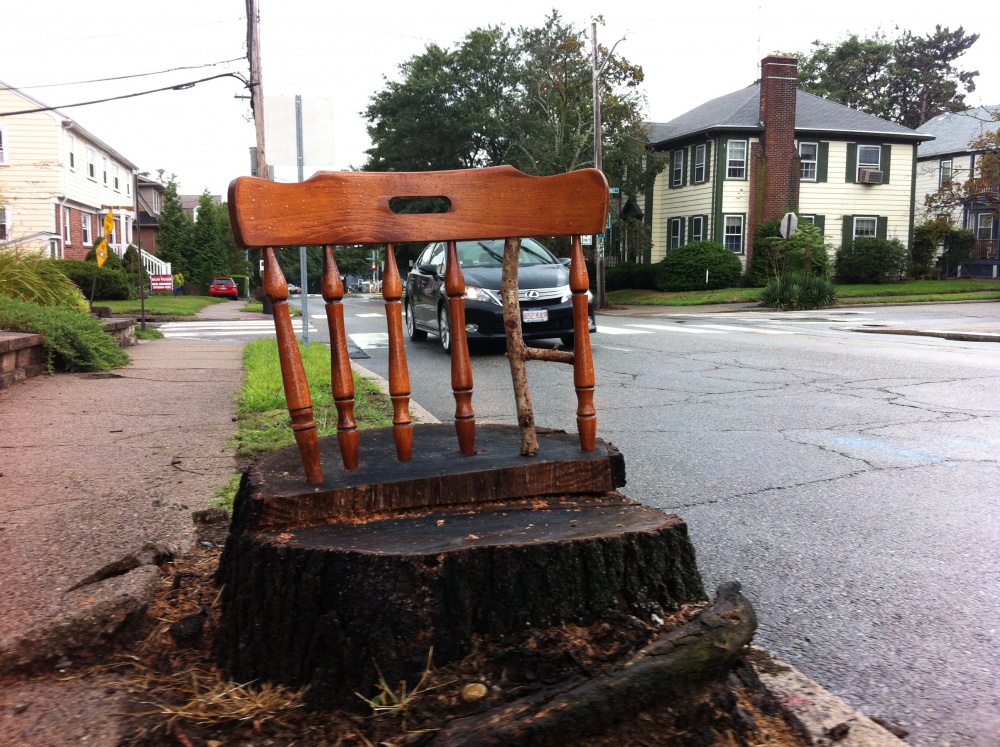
x=428 y=269
x=565 y=261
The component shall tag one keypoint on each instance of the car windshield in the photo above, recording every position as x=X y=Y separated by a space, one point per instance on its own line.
x=489 y=253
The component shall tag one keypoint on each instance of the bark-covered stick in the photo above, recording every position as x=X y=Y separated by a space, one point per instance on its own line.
x=515 y=347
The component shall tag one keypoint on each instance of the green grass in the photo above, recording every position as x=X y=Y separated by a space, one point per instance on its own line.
x=257 y=307
x=906 y=292
x=157 y=304
x=150 y=333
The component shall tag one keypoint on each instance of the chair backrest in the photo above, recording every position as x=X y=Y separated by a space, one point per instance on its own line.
x=336 y=208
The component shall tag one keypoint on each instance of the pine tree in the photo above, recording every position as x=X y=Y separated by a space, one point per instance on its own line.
x=208 y=253
x=173 y=242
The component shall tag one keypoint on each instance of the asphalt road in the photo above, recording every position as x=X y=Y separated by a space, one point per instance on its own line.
x=848 y=480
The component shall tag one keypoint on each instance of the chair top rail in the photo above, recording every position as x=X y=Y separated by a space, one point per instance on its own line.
x=334 y=207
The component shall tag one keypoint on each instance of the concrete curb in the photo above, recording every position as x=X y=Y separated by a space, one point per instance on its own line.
x=821 y=714
x=419 y=413
x=960 y=336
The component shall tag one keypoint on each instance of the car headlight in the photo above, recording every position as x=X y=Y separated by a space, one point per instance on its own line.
x=475 y=293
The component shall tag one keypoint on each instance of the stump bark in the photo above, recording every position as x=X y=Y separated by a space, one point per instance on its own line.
x=332 y=604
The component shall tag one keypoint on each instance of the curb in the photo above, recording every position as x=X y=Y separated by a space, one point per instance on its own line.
x=419 y=413
x=960 y=336
x=825 y=718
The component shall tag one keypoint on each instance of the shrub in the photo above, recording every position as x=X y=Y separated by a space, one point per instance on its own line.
x=74 y=341
x=926 y=239
x=112 y=285
x=796 y=292
x=31 y=277
x=870 y=260
x=958 y=246
x=804 y=254
x=630 y=275
x=242 y=283
x=684 y=268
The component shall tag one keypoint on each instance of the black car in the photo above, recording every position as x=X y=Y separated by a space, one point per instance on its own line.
x=543 y=291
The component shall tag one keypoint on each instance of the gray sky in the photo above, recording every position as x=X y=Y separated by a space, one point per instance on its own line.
x=690 y=52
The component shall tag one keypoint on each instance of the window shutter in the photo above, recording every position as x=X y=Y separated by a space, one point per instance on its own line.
x=680 y=241
x=684 y=172
x=704 y=220
x=820 y=222
x=847 y=238
x=822 y=161
x=708 y=162
x=886 y=162
x=691 y=163
x=670 y=172
x=881 y=227
x=852 y=163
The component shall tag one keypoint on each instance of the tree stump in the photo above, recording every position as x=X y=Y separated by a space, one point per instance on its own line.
x=329 y=585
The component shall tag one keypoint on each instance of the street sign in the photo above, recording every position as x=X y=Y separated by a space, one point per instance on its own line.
x=101 y=252
x=789 y=225
x=109 y=223
x=614 y=190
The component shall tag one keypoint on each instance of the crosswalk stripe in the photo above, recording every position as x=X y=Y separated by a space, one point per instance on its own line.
x=620 y=331
x=752 y=330
x=679 y=328
x=368 y=340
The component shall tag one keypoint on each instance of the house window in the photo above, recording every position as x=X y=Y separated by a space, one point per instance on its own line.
x=3 y=147
x=117 y=182
x=865 y=227
x=944 y=175
x=699 y=163
x=72 y=153
x=807 y=156
x=697 y=228
x=984 y=227
x=4 y=224
x=677 y=168
x=810 y=219
x=65 y=225
x=92 y=163
x=737 y=154
x=86 y=228
x=869 y=157
x=734 y=233
x=676 y=233
x=105 y=172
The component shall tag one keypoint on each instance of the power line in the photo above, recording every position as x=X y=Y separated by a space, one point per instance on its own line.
x=121 y=77
x=177 y=87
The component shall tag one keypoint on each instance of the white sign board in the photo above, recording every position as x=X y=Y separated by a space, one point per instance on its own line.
x=789 y=225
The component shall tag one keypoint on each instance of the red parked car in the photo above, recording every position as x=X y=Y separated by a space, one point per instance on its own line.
x=224 y=287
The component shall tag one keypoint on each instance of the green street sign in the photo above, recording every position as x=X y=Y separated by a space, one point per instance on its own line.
x=614 y=190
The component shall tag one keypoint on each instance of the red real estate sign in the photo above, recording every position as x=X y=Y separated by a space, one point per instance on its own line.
x=161 y=282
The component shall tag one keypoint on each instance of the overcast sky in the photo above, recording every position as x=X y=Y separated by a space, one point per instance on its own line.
x=690 y=52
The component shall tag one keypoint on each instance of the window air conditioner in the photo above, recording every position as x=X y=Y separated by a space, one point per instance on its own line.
x=870 y=176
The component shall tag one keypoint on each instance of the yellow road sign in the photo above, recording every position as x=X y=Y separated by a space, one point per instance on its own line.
x=101 y=250
x=109 y=223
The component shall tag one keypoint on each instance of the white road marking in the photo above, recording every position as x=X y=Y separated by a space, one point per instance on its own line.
x=371 y=316
x=679 y=328
x=752 y=330
x=369 y=340
x=620 y=331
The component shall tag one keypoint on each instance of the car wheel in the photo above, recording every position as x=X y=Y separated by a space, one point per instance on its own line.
x=444 y=328
x=568 y=340
x=411 y=324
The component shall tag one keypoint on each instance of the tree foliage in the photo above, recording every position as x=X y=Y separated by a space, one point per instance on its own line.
x=979 y=187
x=908 y=79
x=173 y=240
x=520 y=96
x=208 y=253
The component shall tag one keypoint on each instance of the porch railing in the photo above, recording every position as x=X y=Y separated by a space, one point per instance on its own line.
x=152 y=264
x=986 y=249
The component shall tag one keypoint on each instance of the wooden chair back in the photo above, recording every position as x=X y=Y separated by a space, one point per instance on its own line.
x=337 y=208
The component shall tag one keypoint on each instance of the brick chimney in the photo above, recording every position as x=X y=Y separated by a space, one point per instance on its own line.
x=775 y=182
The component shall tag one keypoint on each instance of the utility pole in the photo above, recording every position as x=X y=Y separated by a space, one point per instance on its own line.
x=602 y=302
x=303 y=255
x=257 y=107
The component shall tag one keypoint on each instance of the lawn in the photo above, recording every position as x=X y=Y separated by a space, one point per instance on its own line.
x=906 y=292
x=163 y=304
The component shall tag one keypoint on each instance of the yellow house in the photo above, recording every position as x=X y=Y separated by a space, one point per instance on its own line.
x=752 y=155
x=58 y=181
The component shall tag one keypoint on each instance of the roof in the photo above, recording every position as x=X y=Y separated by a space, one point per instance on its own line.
x=740 y=110
x=953 y=131
x=70 y=124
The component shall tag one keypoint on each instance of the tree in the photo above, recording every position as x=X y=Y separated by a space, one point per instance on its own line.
x=173 y=242
x=521 y=97
x=908 y=80
x=209 y=257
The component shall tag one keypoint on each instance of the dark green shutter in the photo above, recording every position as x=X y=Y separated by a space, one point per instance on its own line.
x=708 y=163
x=694 y=150
x=685 y=153
x=670 y=170
x=704 y=224
x=885 y=162
x=881 y=227
x=822 y=161
x=847 y=237
x=852 y=164
x=680 y=241
x=820 y=222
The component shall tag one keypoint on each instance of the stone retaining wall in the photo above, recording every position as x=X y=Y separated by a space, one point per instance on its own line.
x=22 y=355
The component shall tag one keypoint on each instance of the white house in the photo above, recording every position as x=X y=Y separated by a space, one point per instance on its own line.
x=751 y=155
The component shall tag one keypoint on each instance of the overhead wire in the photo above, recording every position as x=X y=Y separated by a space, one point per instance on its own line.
x=122 y=77
x=175 y=87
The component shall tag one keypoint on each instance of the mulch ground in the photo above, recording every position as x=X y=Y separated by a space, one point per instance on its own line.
x=179 y=696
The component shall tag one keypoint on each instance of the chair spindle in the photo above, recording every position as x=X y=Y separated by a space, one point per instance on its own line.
x=461 y=364
x=293 y=374
x=341 y=378
x=583 y=357
x=399 y=375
